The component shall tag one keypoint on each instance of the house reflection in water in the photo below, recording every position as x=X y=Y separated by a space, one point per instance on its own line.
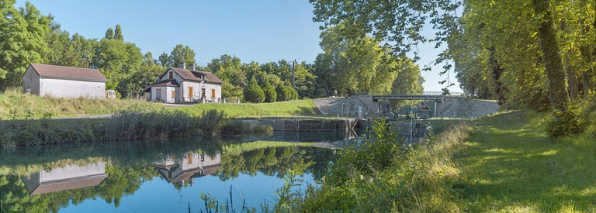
x=65 y=178
x=188 y=166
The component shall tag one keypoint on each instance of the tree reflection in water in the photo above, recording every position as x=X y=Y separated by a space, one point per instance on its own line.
x=128 y=165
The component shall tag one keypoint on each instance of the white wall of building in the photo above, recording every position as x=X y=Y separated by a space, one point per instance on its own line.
x=31 y=81
x=165 y=94
x=196 y=90
x=72 y=89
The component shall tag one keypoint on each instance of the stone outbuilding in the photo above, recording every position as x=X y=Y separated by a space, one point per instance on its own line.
x=64 y=82
x=181 y=85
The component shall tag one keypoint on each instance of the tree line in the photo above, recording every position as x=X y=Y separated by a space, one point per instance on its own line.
x=348 y=65
x=535 y=54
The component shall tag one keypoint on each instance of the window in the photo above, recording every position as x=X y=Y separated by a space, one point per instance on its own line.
x=171 y=75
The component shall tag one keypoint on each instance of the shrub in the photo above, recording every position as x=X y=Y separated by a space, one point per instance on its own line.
x=563 y=123
x=253 y=92
x=281 y=92
x=270 y=94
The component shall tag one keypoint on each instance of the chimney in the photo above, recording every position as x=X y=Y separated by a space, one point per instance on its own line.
x=183 y=65
x=193 y=66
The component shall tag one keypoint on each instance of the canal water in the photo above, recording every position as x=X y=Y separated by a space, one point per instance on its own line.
x=161 y=176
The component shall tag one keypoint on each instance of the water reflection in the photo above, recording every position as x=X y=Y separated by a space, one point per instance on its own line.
x=65 y=178
x=124 y=176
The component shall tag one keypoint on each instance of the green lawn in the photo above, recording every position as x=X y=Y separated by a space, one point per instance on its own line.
x=278 y=109
x=519 y=169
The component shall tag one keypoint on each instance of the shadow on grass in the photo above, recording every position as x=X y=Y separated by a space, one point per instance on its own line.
x=518 y=168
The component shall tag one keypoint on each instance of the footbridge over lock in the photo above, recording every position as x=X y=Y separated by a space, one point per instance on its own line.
x=436 y=98
x=369 y=106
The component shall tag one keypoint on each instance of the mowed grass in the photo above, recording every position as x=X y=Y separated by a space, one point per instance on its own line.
x=278 y=109
x=17 y=105
x=519 y=169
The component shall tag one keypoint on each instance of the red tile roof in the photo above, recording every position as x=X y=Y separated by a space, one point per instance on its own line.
x=71 y=73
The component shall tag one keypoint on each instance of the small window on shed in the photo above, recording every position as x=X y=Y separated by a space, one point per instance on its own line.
x=171 y=75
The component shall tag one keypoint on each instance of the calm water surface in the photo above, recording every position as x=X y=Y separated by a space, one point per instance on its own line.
x=159 y=176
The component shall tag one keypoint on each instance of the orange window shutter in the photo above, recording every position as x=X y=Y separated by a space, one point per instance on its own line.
x=190 y=93
x=171 y=75
x=213 y=93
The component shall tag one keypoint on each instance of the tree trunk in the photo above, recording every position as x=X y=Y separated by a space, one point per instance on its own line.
x=586 y=53
x=552 y=57
x=571 y=80
x=497 y=72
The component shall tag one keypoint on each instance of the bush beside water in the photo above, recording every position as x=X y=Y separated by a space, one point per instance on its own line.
x=385 y=176
x=123 y=126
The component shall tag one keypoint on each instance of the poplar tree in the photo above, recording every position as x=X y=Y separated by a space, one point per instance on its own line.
x=118 y=33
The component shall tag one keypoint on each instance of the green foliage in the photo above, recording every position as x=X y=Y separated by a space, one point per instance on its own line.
x=211 y=122
x=109 y=33
x=180 y=54
x=378 y=151
x=22 y=41
x=253 y=92
x=118 y=33
x=270 y=93
x=17 y=105
x=393 y=178
x=564 y=123
x=283 y=94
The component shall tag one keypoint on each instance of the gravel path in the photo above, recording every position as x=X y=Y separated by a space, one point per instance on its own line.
x=469 y=108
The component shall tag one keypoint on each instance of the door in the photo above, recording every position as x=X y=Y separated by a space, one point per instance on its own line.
x=203 y=93
x=212 y=93
x=158 y=95
x=190 y=93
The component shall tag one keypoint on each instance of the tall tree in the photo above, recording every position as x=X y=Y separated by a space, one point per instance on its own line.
x=109 y=33
x=118 y=33
x=164 y=60
x=182 y=53
x=22 y=41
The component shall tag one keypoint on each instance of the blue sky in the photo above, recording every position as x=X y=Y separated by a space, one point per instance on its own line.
x=259 y=30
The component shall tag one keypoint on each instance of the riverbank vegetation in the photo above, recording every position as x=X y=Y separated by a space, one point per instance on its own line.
x=500 y=163
x=123 y=126
x=278 y=109
x=17 y=105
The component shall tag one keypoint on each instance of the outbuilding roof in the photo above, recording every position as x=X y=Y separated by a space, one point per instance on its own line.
x=164 y=83
x=69 y=73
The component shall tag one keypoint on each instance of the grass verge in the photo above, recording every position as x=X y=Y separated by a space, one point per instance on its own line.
x=519 y=169
x=17 y=105
x=278 y=109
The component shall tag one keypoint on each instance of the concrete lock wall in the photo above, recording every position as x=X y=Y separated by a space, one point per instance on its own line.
x=297 y=125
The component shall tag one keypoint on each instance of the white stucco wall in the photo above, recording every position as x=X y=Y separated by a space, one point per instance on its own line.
x=73 y=171
x=196 y=90
x=209 y=87
x=165 y=94
x=72 y=89
x=31 y=81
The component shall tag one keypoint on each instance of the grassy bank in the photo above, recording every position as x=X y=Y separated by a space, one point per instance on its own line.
x=499 y=163
x=519 y=169
x=122 y=126
x=278 y=109
x=17 y=105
